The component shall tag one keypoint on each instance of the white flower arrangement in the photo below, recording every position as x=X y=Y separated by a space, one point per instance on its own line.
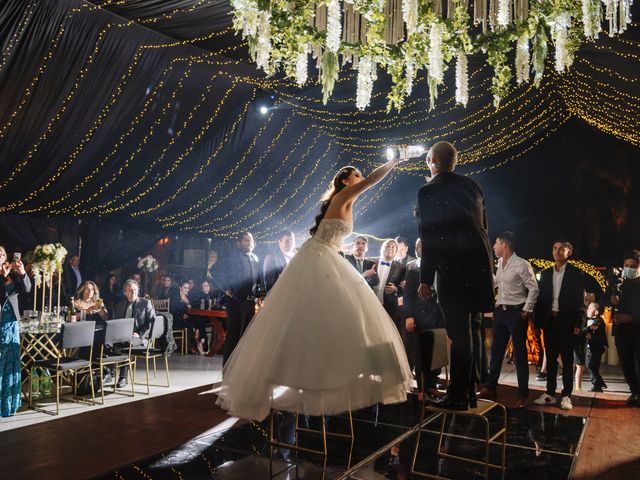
x=366 y=76
x=301 y=67
x=334 y=25
x=410 y=15
x=522 y=59
x=462 y=80
x=47 y=259
x=263 y=52
x=560 y=29
x=147 y=264
x=277 y=31
x=436 y=60
x=504 y=12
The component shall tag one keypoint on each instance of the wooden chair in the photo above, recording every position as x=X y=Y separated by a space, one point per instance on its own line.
x=160 y=306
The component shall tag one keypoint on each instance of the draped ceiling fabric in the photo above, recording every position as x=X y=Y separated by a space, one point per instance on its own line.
x=146 y=112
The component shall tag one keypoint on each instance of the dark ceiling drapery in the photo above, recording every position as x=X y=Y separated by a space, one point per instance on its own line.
x=145 y=113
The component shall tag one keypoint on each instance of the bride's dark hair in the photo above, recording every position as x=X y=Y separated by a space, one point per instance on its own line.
x=332 y=191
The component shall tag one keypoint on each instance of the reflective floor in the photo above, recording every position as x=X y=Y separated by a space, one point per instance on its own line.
x=539 y=445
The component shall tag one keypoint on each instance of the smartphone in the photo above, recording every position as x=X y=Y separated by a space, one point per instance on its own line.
x=17 y=256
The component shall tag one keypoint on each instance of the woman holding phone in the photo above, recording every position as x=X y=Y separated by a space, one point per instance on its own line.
x=13 y=281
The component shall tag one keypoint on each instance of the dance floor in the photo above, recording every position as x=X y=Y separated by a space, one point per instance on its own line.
x=540 y=445
x=182 y=435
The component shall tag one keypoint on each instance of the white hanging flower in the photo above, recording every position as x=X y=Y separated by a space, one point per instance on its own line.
x=264 y=42
x=246 y=16
x=522 y=59
x=410 y=15
x=504 y=12
x=334 y=26
x=436 y=60
x=301 y=67
x=410 y=75
x=366 y=77
x=610 y=14
x=590 y=23
x=462 y=80
x=559 y=31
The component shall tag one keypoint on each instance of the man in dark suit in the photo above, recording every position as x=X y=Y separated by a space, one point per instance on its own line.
x=239 y=276
x=390 y=275
x=453 y=229
x=143 y=313
x=71 y=277
x=420 y=315
x=365 y=266
x=403 y=256
x=276 y=262
x=559 y=312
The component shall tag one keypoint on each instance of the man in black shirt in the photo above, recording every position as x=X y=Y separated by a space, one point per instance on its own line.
x=627 y=325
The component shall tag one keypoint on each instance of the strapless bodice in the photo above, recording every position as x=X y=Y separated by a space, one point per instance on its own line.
x=333 y=231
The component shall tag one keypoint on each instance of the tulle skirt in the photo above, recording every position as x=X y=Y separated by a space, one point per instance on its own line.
x=321 y=344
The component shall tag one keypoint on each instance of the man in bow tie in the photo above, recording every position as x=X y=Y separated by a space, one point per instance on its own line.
x=390 y=275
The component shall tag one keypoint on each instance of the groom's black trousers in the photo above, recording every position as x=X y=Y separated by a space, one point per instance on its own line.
x=464 y=331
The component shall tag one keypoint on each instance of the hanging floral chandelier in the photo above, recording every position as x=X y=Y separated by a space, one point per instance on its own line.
x=404 y=36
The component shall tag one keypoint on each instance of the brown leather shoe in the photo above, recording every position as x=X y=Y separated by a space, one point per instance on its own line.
x=487 y=394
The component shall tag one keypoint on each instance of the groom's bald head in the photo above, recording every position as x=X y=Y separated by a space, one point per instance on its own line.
x=443 y=156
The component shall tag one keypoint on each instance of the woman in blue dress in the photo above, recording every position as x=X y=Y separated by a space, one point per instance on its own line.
x=12 y=283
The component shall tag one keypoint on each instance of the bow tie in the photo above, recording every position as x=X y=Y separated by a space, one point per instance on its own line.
x=388 y=264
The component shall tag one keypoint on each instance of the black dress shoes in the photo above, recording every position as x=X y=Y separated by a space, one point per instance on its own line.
x=449 y=403
x=632 y=401
x=122 y=382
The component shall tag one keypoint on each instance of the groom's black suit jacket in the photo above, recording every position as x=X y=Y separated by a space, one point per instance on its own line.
x=453 y=229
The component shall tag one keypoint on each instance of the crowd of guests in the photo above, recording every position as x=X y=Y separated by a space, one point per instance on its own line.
x=558 y=306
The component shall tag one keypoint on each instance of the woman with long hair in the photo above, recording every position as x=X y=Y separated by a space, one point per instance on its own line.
x=12 y=283
x=322 y=343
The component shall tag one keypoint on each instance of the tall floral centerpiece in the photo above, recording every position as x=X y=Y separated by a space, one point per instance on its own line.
x=47 y=261
x=147 y=265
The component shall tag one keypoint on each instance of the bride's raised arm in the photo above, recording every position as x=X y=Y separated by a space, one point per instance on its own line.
x=353 y=191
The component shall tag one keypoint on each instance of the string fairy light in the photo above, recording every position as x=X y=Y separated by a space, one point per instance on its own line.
x=272 y=192
x=237 y=165
x=178 y=161
x=199 y=171
x=587 y=268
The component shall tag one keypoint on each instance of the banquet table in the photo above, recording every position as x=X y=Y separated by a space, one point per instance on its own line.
x=218 y=332
x=38 y=341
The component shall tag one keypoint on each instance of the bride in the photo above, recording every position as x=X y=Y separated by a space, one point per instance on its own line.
x=322 y=343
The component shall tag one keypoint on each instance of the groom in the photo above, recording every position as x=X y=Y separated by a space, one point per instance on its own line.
x=453 y=229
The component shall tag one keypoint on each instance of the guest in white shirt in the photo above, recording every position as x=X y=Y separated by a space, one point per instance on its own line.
x=517 y=294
